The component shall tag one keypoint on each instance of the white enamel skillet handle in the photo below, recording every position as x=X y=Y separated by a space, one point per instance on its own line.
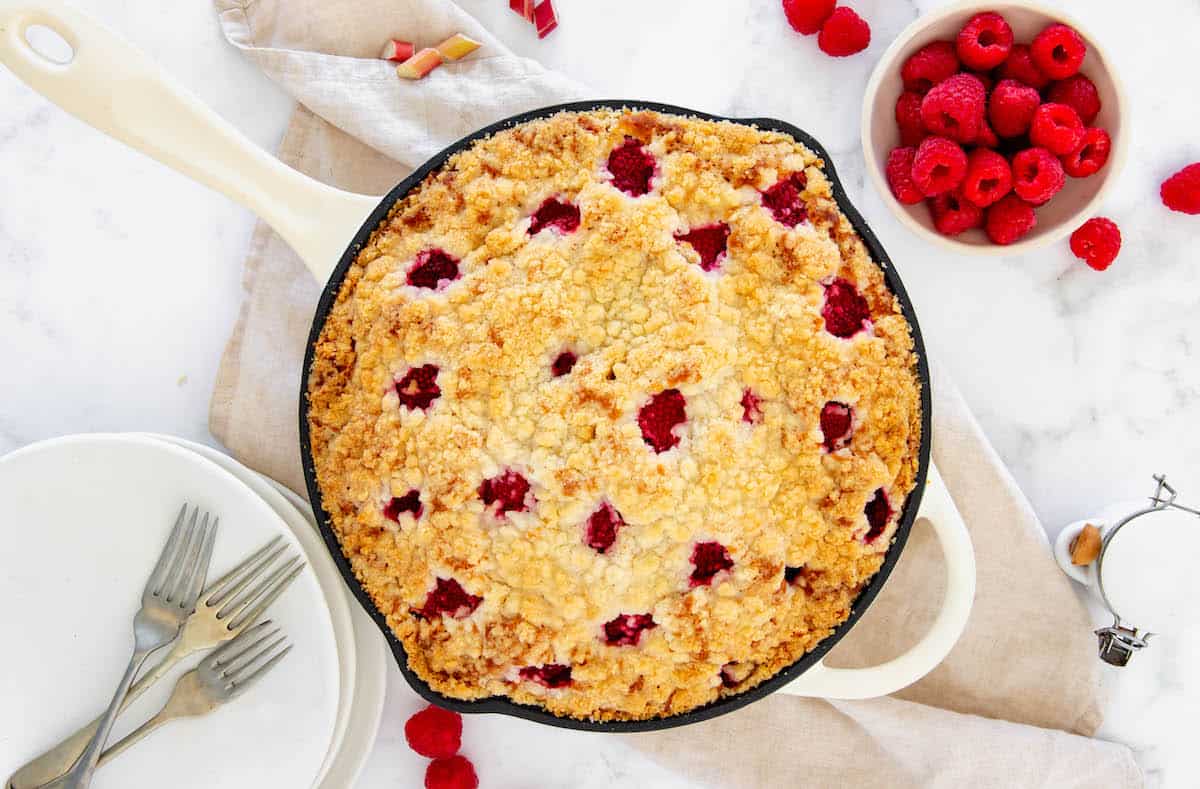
x=937 y=508
x=116 y=88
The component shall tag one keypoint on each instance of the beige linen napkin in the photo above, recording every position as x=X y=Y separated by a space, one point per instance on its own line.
x=1015 y=702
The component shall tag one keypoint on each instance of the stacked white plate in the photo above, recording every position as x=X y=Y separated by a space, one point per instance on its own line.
x=84 y=518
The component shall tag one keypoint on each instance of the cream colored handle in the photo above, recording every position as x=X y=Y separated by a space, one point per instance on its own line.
x=116 y=88
x=937 y=508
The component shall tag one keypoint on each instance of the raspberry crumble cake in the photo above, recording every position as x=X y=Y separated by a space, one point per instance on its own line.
x=614 y=414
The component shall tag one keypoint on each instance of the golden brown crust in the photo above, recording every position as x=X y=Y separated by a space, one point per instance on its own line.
x=632 y=302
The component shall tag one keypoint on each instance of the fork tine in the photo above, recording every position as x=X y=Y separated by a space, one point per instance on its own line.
x=200 y=571
x=244 y=682
x=265 y=593
x=238 y=644
x=181 y=570
x=239 y=577
x=239 y=647
x=159 y=575
x=240 y=665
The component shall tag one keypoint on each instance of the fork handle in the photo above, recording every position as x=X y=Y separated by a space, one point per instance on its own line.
x=56 y=761
x=119 y=747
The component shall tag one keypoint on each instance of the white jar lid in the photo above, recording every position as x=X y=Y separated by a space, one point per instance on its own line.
x=1148 y=571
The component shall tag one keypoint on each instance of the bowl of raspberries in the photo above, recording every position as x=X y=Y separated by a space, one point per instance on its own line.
x=994 y=128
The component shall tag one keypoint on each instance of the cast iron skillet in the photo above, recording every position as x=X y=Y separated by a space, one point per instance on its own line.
x=721 y=706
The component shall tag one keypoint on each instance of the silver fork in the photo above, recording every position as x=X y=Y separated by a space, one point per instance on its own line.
x=168 y=600
x=224 y=610
x=221 y=676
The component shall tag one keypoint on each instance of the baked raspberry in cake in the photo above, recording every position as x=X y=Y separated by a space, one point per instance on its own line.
x=614 y=414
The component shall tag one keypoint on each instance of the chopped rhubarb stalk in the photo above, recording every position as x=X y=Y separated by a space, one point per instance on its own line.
x=396 y=50
x=420 y=64
x=457 y=46
x=544 y=18
x=522 y=7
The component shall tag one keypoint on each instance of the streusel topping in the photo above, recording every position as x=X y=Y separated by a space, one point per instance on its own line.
x=614 y=414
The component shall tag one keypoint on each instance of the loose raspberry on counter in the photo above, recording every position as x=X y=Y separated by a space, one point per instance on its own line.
x=1011 y=108
x=844 y=33
x=1038 y=175
x=807 y=16
x=1058 y=51
x=625 y=630
x=508 y=492
x=1009 y=220
x=878 y=512
x=988 y=177
x=984 y=42
x=928 y=66
x=1097 y=243
x=708 y=559
x=434 y=733
x=455 y=772
x=1080 y=94
x=1181 y=192
x=1020 y=67
x=709 y=242
x=551 y=675
x=410 y=502
x=1057 y=128
x=1090 y=156
x=631 y=167
x=955 y=107
x=659 y=417
x=846 y=312
x=908 y=118
x=899 y=176
x=954 y=214
x=939 y=165
x=448 y=598
x=418 y=388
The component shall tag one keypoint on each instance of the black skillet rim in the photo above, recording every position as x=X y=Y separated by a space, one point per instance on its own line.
x=505 y=706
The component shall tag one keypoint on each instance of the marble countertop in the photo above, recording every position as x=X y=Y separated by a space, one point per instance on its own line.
x=120 y=280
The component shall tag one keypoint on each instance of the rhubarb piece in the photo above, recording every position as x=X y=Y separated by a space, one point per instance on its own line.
x=522 y=7
x=457 y=47
x=396 y=50
x=544 y=18
x=420 y=64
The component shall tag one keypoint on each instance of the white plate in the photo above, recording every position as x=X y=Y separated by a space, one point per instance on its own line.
x=84 y=519
x=360 y=710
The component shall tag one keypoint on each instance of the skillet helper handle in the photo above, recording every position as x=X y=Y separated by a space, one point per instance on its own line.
x=937 y=508
x=113 y=86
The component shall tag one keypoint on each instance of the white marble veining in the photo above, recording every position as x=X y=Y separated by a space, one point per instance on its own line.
x=120 y=280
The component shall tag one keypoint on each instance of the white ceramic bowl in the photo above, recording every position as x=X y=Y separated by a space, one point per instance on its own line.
x=1070 y=208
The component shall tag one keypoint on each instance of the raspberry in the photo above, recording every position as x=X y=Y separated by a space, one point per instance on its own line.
x=1080 y=94
x=807 y=16
x=509 y=492
x=1009 y=220
x=1011 y=108
x=1090 y=156
x=1020 y=67
x=431 y=268
x=410 y=502
x=1181 y=192
x=986 y=137
x=709 y=559
x=837 y=422
x=434 y=732
x=988 y=177
x=418 y=388
x=1058 y=51
x=709 y=242
x=563 y=363
x=878 y=512
x=1097 y=243
x=938 y=166
x=1057 y=128
x=845 y=311
x=954 y=214
x=899 y=176
x=986 y=79
x=751 y=407
x=908 y=118
x=551 y=675
x=448 y=598
x=632 y=167
x=555 y=214
x=659 y=417
x=954 y=108
x=784 y=201
x=928 y=66
x=625 y=630
x=601 y=530
x=844 y=33
x=985 y=41
x=456 y=772
x=1037 y=175
x=803 y=577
